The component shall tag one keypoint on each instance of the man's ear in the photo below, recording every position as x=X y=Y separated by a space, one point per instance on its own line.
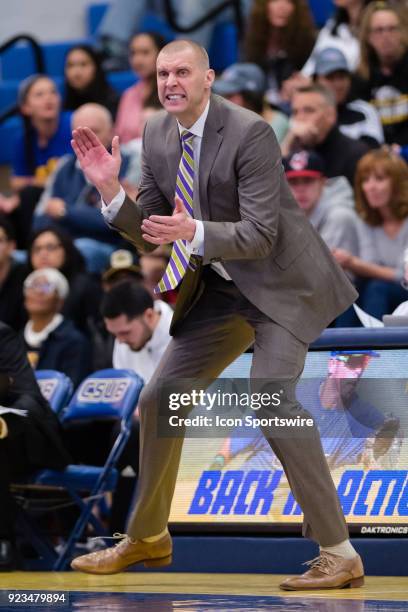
x=332 y=114
x=148 y=315
x=210 y=76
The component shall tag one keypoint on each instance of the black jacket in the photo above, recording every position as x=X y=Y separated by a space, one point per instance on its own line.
x=388 y=93
x=40 y=429
x=11 y=297
x=341 y=154
x=66 y=350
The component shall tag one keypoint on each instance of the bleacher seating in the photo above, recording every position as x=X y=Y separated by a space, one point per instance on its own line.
x=18 y=62
x=104 y=394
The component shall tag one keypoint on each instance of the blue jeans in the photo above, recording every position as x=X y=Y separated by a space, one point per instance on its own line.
x=380 y=297
x=376 y=297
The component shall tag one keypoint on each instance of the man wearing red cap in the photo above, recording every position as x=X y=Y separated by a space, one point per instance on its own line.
x=329 y=214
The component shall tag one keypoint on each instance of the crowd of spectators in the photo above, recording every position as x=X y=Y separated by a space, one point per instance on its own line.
x=337 y=100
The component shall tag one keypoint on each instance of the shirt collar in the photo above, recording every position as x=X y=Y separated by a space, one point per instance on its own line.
x=198 y=127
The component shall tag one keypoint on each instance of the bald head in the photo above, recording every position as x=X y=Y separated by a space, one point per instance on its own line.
x=97 y=118
x=179 y=46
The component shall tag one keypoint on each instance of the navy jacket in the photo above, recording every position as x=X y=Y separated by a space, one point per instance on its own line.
x=67 y=351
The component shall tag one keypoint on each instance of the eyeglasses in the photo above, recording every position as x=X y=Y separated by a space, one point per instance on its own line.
x=50 y=248
x=41 y=287
x=378 y=31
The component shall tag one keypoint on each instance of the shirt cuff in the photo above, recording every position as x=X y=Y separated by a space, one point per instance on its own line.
x=110 y=211
x=197 y=243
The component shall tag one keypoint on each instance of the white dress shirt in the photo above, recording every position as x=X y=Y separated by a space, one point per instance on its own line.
x=196 y=246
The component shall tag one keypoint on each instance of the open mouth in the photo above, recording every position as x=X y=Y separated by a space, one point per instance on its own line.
x=175 y=97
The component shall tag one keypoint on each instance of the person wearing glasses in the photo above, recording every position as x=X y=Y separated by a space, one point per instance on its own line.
x=51 y=341
x=384 y=67
x=52 y=247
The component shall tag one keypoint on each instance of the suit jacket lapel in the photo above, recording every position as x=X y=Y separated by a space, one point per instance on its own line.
x=173 y=155
x=212 y=139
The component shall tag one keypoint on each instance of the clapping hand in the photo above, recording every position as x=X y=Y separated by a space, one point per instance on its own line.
x=99 y=166
x=164 y=230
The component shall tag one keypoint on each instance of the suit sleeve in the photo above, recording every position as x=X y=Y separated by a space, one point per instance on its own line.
x=150 y=201
x=24 y=393
x=259 y=170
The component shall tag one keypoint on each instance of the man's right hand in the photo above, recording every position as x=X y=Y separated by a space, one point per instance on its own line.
x=100 y=167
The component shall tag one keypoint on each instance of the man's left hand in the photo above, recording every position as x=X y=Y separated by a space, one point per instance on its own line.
x=164 y=230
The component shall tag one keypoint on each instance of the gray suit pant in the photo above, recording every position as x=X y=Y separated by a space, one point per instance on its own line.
x=221 y=326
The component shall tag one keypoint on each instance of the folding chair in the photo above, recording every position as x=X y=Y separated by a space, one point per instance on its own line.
x=105 y=394
x=55 y=387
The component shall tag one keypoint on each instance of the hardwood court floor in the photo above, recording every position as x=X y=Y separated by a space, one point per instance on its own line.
x=199 y=592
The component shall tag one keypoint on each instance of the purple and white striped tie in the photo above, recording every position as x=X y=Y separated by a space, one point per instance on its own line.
x=179 y=258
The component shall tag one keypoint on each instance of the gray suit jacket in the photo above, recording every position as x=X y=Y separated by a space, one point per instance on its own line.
x=252 y=224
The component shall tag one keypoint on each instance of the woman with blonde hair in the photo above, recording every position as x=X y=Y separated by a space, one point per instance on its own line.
x=384 y=66
x=381 y=189
x=280 y=37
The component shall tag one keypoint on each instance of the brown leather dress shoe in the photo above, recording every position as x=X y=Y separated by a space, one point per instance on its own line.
x=125 y=553
x=328 y=572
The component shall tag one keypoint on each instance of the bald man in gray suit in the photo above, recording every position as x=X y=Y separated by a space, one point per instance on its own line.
x=252 y=271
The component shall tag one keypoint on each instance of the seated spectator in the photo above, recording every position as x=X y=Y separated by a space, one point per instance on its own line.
x=85 y=81
x=71 y=203
x=245 y=85
x=140 y=326
x=384 y=67
x=53 y=248
x=314 y=127
x=382 y=204
x=340 y=32
x=355 y=118
x=46 y=137
x=279 y=38
x=334 y=220
x=143 y=51
x=123 y=266
x=52 y=342
x=141 y=331
x=11 y=279
x=26 y=443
